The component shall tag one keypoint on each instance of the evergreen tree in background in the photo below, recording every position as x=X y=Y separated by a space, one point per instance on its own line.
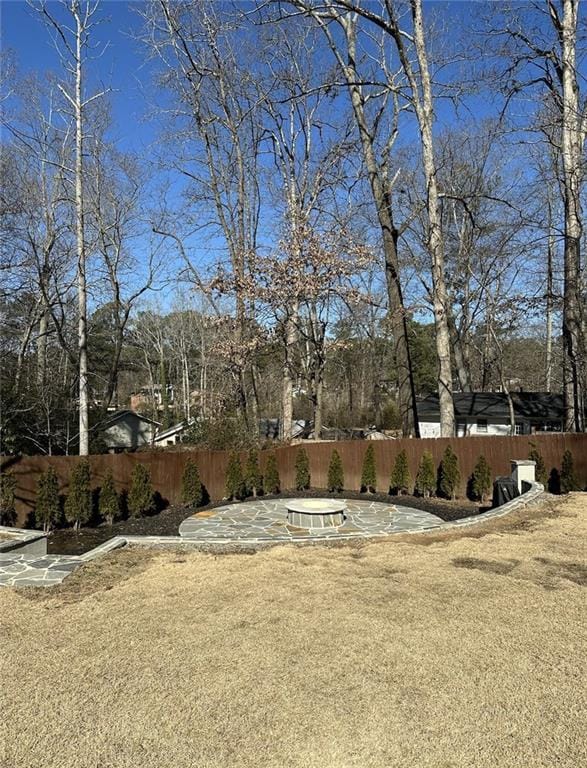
x=78 y=505
x=401 y=480
x=271 y=481
x=481 y=480
x=335 y=472
x=568 y=480
x=369 y=471
x=426 y=477
x=234 y=487
x=252 y=473
x=450 y=476
x=7 y=498
x=141 y=498
x=191 y=485
x=540 y=471
x=302 y=470
x=47 y=507
x=109 y=501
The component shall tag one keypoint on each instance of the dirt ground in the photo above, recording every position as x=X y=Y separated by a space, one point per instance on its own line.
x=445 y=650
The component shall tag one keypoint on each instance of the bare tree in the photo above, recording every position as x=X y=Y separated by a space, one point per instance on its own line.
x=72 y=41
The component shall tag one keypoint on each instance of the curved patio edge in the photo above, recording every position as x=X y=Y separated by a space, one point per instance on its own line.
x=19 y=570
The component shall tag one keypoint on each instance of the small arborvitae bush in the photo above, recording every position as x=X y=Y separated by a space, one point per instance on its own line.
x=47 y=508
x=400 y=481
x=191 y=485
x=426 y=477
x=302 y=470
x=7 y=498
x=271 y=482
x=109 y=501
x=369 y=471
x=450 y=477
x=78 y=505
x=335 y=472
x=535 y=455
x=141 y=498
x=568 y=479
x=481 y=484
x=234 y=486
x=252 y=473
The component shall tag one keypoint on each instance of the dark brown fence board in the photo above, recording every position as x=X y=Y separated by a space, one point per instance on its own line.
x=167 y=466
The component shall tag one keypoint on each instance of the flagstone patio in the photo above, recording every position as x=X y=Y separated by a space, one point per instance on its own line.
x=262 y=521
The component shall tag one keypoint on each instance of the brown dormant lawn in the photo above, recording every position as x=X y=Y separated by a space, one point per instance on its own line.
x=444 y=651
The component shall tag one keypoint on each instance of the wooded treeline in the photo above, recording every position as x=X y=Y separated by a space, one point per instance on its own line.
x=348 y=205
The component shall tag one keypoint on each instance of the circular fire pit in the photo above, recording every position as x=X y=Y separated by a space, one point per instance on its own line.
x=315 y=513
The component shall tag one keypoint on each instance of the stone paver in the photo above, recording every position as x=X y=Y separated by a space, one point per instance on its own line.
x=262 y=521
x=34 y=571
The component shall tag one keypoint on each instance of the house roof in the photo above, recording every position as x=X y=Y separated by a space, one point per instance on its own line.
x=121 y=415
x=174 y=429
x=485 y=405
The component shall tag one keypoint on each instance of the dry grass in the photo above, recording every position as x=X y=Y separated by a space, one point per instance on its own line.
x=465 y=652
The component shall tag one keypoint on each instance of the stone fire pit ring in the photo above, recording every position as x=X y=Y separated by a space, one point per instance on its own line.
x=315 y=513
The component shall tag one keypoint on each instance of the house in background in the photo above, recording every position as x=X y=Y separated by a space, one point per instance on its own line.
x=173 y=435
x=151 y=397
x=126 y=431
x=487 y=413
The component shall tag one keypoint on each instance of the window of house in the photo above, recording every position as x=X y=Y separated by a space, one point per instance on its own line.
x=519 y=428
x=461 y=428
x=481 y=425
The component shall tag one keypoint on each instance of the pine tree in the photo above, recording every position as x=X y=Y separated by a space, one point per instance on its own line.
x=252 y=473
x=450 y=476
x=401 y=480
x=7 y=498
x=47 y=508
x=271 y=481
x=481 y=481
x=78 y=505
x=109 y=501
x=141 y=498
x=426 y=477
x=568 y=480
x=540 y=472
x=234 y=486
x=191 y=485
x=335 y=472
x=369 y=471
x=302 y=470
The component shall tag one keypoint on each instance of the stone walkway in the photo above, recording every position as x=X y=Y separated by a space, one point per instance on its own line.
x=35 y=570
x=265 y=521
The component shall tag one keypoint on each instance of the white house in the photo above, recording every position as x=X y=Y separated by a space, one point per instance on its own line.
x=487 y=413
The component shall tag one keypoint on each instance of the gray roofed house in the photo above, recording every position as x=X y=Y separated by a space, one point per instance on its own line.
x=127 y=430
x=487 y=413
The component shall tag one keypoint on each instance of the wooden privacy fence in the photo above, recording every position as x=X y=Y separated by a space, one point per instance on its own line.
x=167 y=466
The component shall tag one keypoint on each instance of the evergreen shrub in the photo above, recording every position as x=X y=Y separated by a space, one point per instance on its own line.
x=191 y=485
x=426 y=476
x=271 y=481
x=141 y=498
x=47 y=507
x=302 y=470
x=234 y=487
x=401 y=480
x=78 y=505
x=252 y=473
x=369 y=471
x=481 y=479
x=449 y=474
x=335 y=472
x=568 y=481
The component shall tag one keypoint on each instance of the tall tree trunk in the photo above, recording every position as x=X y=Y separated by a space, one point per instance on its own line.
x=84 y=423
x=572 y=155
x=549 y=309
x=42 y=348
x=425 y=114
x=291 y=339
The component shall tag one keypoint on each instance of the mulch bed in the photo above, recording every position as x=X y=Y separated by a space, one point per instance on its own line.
x=66 y=541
